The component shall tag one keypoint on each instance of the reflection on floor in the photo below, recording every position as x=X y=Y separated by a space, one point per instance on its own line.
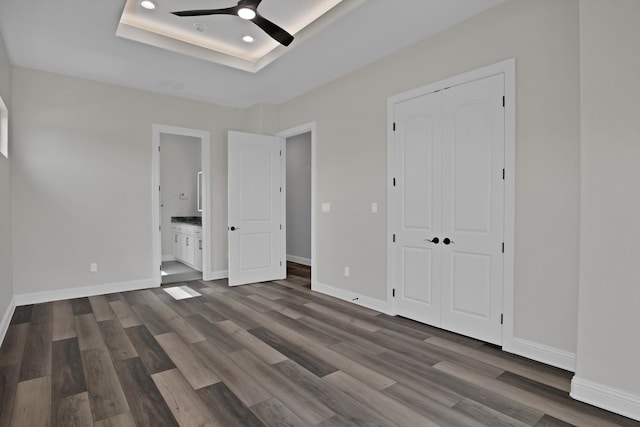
x=174 y=271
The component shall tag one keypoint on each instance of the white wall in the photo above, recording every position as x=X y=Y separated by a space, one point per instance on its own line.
x=81 y=179
x=543 y=36
x=609 y=314
x=180 y=162
x=299 y=196
x=6 y=286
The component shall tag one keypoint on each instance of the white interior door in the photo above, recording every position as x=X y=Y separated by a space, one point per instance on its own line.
x=418 y=152
x=449 y=208
x=473 y=208
x=256 y=247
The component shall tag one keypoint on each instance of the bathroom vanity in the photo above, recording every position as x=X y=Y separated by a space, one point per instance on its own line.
x=187 y=240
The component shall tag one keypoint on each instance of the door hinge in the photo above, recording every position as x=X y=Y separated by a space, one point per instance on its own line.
x=158 y=188
x=158 y=148
x=159 y=228
x=394 y=182
x=394 y=126
x=160 y=267
x=502 y=319
x=502 y=247
x=281 y=189
x=280 y=226
x=503 y=173
x=503 y=102
x=281 y=152
x=393 y=293
x=394 y=238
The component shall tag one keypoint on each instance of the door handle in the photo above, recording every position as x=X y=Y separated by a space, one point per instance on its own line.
x=232 y=228
x=446 y=241
x=435 y=240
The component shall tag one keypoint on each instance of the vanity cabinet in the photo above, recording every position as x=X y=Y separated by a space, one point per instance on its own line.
x=187 y=244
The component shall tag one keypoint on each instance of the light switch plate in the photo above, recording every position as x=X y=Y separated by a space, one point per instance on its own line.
x=374 y=207
x=326 y=207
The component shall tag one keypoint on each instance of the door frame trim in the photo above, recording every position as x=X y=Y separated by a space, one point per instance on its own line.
x=156 y=233
x=288 y=133
x=508 y=68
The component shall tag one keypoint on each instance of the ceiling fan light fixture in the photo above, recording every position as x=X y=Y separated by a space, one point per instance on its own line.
x=246 y=13
x=148 y=4
x=247 y=39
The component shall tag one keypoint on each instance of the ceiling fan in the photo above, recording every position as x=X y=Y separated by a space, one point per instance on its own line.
x=246 y=9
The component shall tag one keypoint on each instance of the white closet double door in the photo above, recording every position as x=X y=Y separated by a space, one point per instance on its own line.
x=448 y=204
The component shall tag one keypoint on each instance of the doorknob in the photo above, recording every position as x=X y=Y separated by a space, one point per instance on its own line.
x=446 y=241
x=232 y=228
x=435 y=240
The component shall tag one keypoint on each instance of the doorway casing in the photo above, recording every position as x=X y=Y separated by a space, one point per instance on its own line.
x=156 y=233
x=288 y=133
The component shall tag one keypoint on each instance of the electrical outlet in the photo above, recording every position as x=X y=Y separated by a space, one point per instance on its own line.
x=326 y=207
x=374 y=207
x=347 y=272
x=93 y=267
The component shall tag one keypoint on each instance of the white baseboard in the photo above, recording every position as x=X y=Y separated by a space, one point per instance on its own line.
x=6 y=319
x=541 y=353
x=84 y=291
x=606 y=397
x=299 y=260
x=166 y=258
x=372 y=303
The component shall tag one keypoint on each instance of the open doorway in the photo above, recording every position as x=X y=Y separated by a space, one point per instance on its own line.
x=300 y=203
x=181 y=206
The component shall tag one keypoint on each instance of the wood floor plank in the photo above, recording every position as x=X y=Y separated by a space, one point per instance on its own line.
x=544 y=405
x=377 y=401
x=346 y=318
x=317 y=335
x=299 y=401
x=120 y=420
x=538 y=375
x=148 y=408
x=63 y=322
x=22 y=314
x=101 y=308
x=273 y=413
x=8 y=386
x=73 y=410
x=117 y=341
x=297 y=353
x=212 y=333
x=248 y=341
x=152 y=321
x=36 y=359
x=81 y=306
x=226 y=407
x=153 y=357
x=485 y=415
x=343 y=405
x=423 y=404
x=105 y=390
x=240 y=382
x=185 y=404
x=67 y=374
x=32 y=405
x=13 y=345
x=89 y=336
x=124 y=313
x=191 y=367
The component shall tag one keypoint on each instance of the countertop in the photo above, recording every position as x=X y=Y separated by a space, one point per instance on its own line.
x=192 y=220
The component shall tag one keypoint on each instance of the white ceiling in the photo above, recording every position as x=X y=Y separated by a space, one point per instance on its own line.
x=78 y=38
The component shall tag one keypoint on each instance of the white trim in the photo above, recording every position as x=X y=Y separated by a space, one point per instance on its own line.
x=207 y=243
x=298 y=130
x=541 y=353
x=299 y=260
x=220 y=274
x=605 y=397
x=84 y=291
x=166 y=258
x=363 y=300
x=508 y=68
x=6 y=319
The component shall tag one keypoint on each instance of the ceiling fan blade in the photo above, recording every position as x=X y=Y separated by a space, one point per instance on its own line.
x=249 y=3
x=273 y=30
x=226 y=11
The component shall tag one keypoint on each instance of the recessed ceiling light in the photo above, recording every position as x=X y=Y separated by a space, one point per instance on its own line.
x=247 y=39
x=200 y=27
x=246 y=13
x=148 y=4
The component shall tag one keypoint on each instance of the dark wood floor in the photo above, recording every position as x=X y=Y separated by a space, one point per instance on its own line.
x=265 y=354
